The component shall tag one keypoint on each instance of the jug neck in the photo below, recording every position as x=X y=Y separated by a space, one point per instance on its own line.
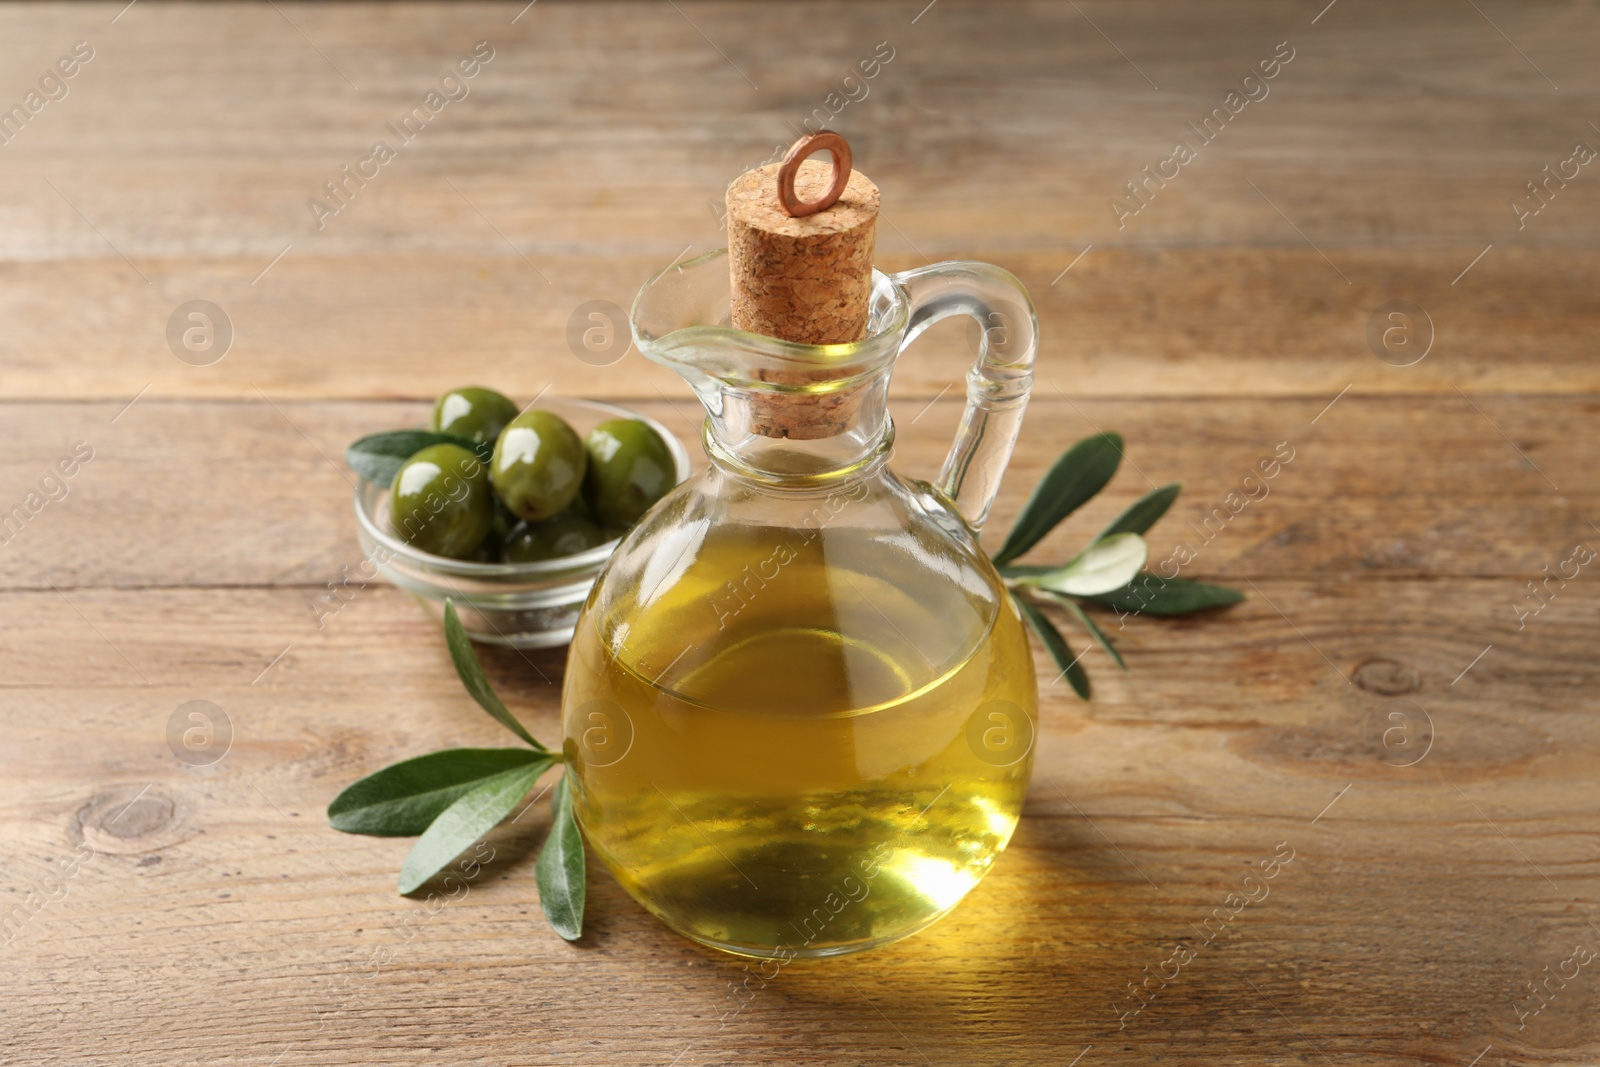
x=777 y=411
x=832 y=436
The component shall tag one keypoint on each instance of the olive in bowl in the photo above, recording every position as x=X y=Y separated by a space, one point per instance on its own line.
x=440 y=502
x=629 y=469
x=538 y=466
x=566 y=534
x=475 y=413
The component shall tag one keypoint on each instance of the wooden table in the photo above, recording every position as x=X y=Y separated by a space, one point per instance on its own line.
x=1379 y=705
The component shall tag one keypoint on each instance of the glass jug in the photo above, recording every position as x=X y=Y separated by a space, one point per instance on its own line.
x=799 y=707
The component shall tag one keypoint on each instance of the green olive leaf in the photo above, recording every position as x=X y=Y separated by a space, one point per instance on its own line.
x=559 y=870
x=1144 y=512
x=403 y=799
x=471 y=672
x=378 y=457
x=1105 y=565
x=1087 y=623
x=1151 y=594
x=1080 y=473
x=471 y=816
x=1026 y=570
x=1055 y=644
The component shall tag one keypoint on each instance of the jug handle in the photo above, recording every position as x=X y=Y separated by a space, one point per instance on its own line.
x=998 y=383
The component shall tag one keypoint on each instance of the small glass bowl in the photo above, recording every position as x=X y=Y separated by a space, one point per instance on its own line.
x=523 y=605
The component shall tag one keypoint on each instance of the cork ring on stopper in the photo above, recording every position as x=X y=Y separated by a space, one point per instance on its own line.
x=821 y=141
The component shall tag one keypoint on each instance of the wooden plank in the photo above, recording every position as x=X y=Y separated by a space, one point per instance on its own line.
x=1029 y=971
x=1187 y=673
x=1173 y=322
x=1002 y=99
x=256 y=493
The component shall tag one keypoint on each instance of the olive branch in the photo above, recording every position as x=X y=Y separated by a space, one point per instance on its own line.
x=1109 y=571
x=453 y=797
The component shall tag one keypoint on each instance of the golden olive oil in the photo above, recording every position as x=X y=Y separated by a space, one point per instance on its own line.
x=790 y=744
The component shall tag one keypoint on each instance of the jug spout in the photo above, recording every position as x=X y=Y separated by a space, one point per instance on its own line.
x=785 y=409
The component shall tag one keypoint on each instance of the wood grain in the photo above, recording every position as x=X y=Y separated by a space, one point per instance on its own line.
x=1378 y=487
x=1123 y=322
x=1384 y=161
x=1376 y=704
x=1227 y=738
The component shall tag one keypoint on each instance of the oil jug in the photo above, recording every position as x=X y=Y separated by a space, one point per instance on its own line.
x=799 y=706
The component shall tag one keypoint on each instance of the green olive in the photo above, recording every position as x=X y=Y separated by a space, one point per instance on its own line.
x=565 y=534
x=630 y=468
x=580 y=506
x=538 y=465
x=441 y=503
x=475 y=413
x=504 y=522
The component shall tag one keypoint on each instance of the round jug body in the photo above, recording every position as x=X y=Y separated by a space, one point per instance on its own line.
x=799 y=719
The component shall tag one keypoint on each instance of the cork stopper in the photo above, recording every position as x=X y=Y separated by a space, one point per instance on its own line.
x=803 y=277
